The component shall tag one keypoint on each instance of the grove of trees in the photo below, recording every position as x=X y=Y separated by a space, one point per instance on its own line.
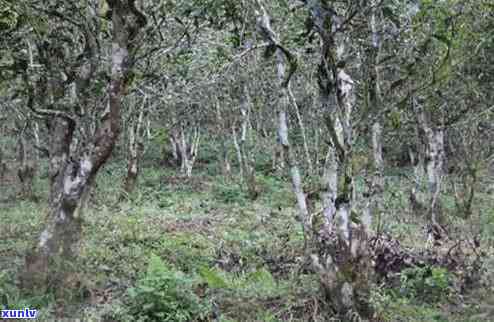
x=335 y=99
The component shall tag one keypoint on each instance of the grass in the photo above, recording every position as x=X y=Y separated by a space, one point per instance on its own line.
x=241 y=257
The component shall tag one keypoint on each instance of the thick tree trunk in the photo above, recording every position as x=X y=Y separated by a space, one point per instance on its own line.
x=434 y=162
x=417 y=155
x=174 y=145
x=375 y=189
x=71 y=177
x=343 y=261
x=63 y=226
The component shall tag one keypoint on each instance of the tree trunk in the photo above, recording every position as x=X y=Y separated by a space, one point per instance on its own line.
x=71 y=176
x=300 y=122
x=343 y=261
x=188 y=146
x=27 y=167
x=244 y=147
x=174 y=145
x=417 y=155
x=238 y=151
x=136 y=149
x=375 y=190
x=225 y=160
x=434 y=162
x=282 y=58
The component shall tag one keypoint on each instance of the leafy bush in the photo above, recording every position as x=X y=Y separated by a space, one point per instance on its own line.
x=427 y=283
x=164 y=294
x=390 y=307
x=187 y=251
x=230 y=194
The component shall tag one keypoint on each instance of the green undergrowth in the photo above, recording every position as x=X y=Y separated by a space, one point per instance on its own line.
x=199 y=249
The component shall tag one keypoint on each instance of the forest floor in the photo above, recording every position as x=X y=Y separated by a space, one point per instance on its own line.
x=224 y=257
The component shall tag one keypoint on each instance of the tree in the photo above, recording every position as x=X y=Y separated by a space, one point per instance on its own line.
x=75 y=164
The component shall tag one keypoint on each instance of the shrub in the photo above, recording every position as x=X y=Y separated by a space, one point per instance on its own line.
x=427 y=283
x=230 y=194
x=164 y=294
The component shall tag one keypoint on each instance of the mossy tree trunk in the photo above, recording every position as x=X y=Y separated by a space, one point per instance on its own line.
x=434 y=157
x=72 y=173
x=342 y=260
x=375 y=189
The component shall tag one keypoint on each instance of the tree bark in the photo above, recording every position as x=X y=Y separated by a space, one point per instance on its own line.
x=343 y=261
x=71 y=176
x=244 y=147
x=188 y=146
x=376 y=187
x=136 y=149
x=301 y=125
x=285 y=59
x=225 y=160
x=434 y=161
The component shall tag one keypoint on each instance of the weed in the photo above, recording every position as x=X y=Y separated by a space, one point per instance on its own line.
x=164 y=294
x=428 y=283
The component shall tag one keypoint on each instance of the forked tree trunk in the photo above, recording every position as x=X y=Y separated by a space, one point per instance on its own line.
x=343 y=261
x=71 y=176
x=188 y=146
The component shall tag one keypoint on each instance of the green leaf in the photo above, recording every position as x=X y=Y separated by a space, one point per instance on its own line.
x=212 y=278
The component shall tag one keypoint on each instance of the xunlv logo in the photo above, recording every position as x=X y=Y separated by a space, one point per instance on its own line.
x=19 y=314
